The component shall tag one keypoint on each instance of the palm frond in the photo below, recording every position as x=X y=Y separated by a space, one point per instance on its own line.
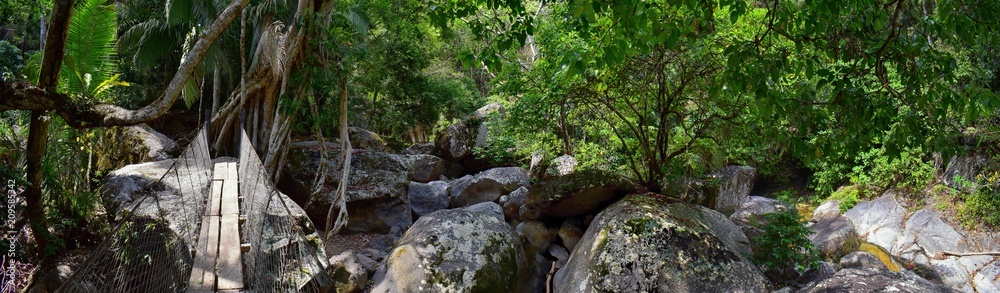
x=91 y=44
x=270 y=50
x=359 y=20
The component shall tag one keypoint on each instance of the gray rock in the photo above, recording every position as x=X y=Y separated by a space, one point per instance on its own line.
x=934 y=235
x=860 y=260
x=577 y=194
x=52 y=280
x=427 y=168
x=874 y=280
x=347 y=273
x=457 y=141
x=488 y=208
x=835 y=238
x=455 y=251
x=645 y=243
x=377 y=194
x=155 y=145
x=985 y=280
x=363 y=139
x=512 y=207
x=537 y=234
x=824 y=271
x=470 y=190
x=509 y=178
x=735 y=183
x=729 y=232
x=560 y=253
x=426 y=198
x=129 y=183
x=421 y=149
x=570 y=233
x=962 y=171
x=537 y=166
x=754 y=209
x=879 y=221
x=561 y=166
x=828 y=210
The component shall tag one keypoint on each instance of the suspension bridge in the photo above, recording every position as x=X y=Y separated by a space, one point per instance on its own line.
x=208 y=226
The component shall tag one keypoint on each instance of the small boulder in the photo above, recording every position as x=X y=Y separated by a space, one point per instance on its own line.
x=827 y=210
x=426 y=198
x=154 y=145
x=347 y=273
x=470 y=190
x=570 y=233
x=427 y=168
x=537 y=234
x=363 y=139
x=577 y=194
x=874 y=280
x=835 y=237
x=561 y=166
x=512 y=207
x=488 y=208
x=421 y=149
x=735 y=183
x=861 y=260
x=509 y=178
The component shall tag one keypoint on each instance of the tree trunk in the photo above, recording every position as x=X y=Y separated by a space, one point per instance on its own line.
x=37 y=140
x=215 y=90
x=340 y=201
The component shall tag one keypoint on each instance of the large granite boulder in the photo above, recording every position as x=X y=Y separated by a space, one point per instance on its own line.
x=962 y=171
x=456 y=250
x=835 y=238
x=561 y=166
x=426 y=198
x=735 y=183
x=152 y=144
x=470 y=190
x=577 y=194
x=874 y=280
x=648 y=243
x=427 y=168
x=377 y=194
x=123 y=186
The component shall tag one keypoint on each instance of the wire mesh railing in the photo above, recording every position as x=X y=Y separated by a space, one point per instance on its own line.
x=150 y=248
x=286 y=253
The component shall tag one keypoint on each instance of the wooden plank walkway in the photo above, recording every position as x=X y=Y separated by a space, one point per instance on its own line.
x=217 y=265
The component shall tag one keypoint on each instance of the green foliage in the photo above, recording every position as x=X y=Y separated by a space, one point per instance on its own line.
x=11 y=61
x=981 y=208
x=849 y=196
x=89 y=64
x=783 y=243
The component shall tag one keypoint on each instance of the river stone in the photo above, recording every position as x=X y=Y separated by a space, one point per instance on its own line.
x=470 y=190
x=512 y=207
x=455 y=251
x=860 y=260
x=570 y=233
x=561 y=166
x=827 y=210
x=735 y=183
x=427 y=168
x=347 y=272
x=874 y=280
x=834 y=238
x=537 y=234
x=577 y=194
x=426 y=198
x=645 y=243
x=156 y=146
x=509 y=178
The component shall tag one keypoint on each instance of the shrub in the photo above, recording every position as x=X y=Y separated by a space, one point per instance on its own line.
x=783 y=243
x=848 y=197
x=981 y=208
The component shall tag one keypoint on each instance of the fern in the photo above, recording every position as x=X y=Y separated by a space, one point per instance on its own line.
x=90 y=47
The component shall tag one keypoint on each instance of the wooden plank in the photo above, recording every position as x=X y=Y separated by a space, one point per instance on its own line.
x=230 y=267
x=215 y=199
x=220 y=171
x=232 y=170
x=230 y=193
x=203 y=271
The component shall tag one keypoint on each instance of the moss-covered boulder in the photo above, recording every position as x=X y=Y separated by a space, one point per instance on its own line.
x=577 y=194
x=457 y=250
x=649 y=243
x=835 y=238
